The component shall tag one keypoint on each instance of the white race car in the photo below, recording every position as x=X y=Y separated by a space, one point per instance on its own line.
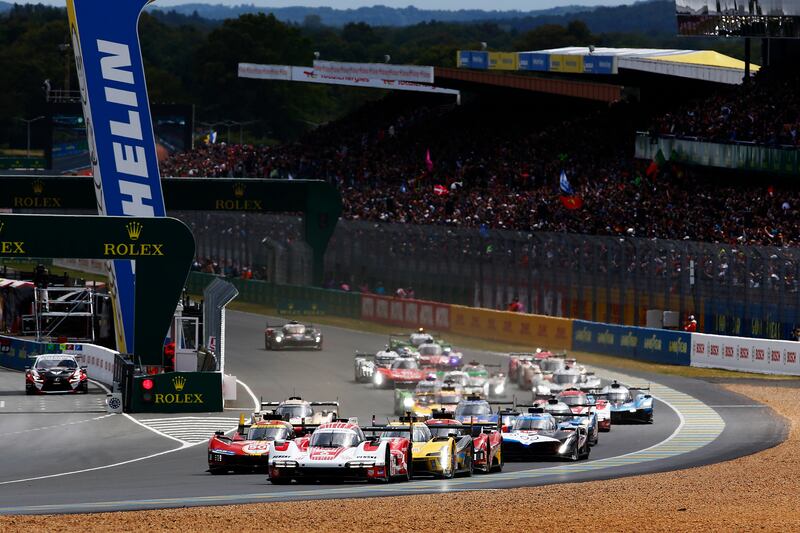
x=339 y=451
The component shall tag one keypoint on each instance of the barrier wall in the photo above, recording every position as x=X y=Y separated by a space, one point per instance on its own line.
x=292 y=300
x=99 y=361
x=520 y=328
x=409 y=314
x=645 y=344
x=745 y=354
x=14 y=352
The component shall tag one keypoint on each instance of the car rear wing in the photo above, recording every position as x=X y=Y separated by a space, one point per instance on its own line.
x=516 y=355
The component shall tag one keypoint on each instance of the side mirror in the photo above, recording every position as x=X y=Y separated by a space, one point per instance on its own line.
x=219 y=433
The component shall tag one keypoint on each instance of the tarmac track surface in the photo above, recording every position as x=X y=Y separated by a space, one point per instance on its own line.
x=63 y=454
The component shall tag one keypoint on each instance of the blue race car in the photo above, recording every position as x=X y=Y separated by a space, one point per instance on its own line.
x=474 y=409
x=628 y=404
x=537 y=435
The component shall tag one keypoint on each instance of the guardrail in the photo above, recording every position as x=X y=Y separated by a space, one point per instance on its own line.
x=288 y=300
x=745 y=354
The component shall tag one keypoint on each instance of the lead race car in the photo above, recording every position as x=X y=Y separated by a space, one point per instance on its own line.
x=292 y=335
x=248 y=449
x=340 y=450
x=51 y=373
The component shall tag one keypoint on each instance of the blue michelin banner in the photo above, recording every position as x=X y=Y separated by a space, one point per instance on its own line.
x=534 y=61
x=645 y=344
x=599 y=64
x=122 y=147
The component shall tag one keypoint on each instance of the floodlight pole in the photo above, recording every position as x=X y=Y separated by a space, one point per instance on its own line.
x=28 y=122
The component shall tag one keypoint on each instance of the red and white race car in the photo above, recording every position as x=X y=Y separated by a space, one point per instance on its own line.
x=580 y=402
x=340 y=451
x=403 y=370
x=249 y=450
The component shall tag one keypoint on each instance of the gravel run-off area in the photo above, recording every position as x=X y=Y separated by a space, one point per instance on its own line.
x=759 y=492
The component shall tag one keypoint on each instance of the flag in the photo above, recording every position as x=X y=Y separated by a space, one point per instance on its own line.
x=566 y=188
x=440 y=190
x=572 y=202
x=655 y=165
x=568 y=197
x=428 y=160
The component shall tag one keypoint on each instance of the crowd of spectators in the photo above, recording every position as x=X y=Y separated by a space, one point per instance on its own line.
x=496 y=165
x=766 y=111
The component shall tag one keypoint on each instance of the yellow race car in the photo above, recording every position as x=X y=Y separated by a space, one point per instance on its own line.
x=444 y=456
x=423 y=404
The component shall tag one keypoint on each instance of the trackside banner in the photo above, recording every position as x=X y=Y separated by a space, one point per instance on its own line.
x=119 y=129
x=745 y=354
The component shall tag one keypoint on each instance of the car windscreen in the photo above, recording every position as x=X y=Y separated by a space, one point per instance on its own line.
x=521 y=424
x=432 y=349
x=566 y=379
x=294 y=329
x=551 y=365
x=420 y=434
x=65 y=362
x=294 y=411
x=578 y=399
x=334 y=439
x=474 y=409
x=444 y=430
x=618 y=396
x=267 y=433
x=448 y=398
x=457 y=379
x=405 y=365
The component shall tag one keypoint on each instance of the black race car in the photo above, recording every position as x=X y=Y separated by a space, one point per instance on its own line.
x=55 y=373
x=292 y=335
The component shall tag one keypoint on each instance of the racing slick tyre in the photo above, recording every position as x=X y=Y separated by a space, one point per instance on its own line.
x=280 y=480
x=451 y=471
x=216 y=471
x=497 y=464
x=386 y=469
x=84 y=388
x=29 y=391
x=576 y=454
x=469 y=467
x=409 y=467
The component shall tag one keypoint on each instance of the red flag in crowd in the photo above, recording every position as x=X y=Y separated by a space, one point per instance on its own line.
x=440 y=190
x=572 y=202
x=428 y=160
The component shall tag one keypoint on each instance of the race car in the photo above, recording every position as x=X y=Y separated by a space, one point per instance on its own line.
x=300 y=412
x=432 y=354
x=341 y=451
x=537 y=435
x=528 y=373
x=493 y=385
x=364 y=363
x=580 y=402
x=292 y=335
x=55 y=373
x=405 y=397
x=515 y=360
x=411 y=340
x=486 y=439
x=444 y=456
x=403 y=370
x=564 y=413
x=628 y=404
x=423 y=404
x=247 y=451
x=475 y=409
x=552 y=363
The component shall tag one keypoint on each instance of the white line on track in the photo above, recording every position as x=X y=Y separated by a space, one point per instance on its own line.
x=256 y=401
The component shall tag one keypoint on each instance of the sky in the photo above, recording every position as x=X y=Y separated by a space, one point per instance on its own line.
x=503 y=5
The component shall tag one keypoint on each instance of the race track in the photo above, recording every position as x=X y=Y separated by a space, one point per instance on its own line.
x=64 y=454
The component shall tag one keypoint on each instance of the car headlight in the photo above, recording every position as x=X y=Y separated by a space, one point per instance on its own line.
x=278 y=338
x=318 y=338
x=500 y=389
x=567 y=443
x=542 y=389
x=408 y=402
x=378 y=378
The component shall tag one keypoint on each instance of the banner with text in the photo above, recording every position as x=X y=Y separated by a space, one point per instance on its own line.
x=745 y=354
x=410 y=314
x=518 y=328
x=646 y=344
x=383 y=71
x=122 y=147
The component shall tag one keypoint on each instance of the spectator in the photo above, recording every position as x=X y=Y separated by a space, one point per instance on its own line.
x=691 y=325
